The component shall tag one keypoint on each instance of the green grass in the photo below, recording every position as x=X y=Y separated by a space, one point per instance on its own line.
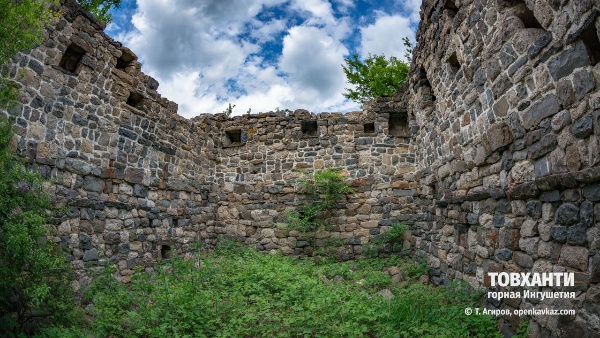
x=236 y=292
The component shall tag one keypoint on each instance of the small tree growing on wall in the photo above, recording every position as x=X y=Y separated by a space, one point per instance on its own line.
x=376 y=75
x=323 y=190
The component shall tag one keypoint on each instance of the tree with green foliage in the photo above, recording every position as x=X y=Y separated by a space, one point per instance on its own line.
x=100 y=8
x=376 y=75
x=22 y=24
x=34 y=274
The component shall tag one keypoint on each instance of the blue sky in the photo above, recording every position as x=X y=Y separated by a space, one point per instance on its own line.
x=259 y=54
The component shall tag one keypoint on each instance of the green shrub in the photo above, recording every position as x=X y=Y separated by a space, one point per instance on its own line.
x=323 y=191
x=387 y=242
x=34 y=274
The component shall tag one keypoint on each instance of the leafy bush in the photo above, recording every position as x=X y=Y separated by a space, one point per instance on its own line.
x=34 y=274
x=324 y=190
x=21 y=27
x=388 y=241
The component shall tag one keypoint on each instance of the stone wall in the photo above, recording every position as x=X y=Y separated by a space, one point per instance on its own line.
x=490 y=153
x=133 y=175
x=138 y=181
x=257 y=175
x=507 y=97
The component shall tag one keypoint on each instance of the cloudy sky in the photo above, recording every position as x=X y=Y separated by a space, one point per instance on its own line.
x=259 y=54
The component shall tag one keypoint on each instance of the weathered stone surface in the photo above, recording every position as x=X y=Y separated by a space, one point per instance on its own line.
x=576 y=234
x=574 y=257
x=522 y=259
x=544 y=108
x=534 y=209
x=569 y=60
x=94 y=184
x=523 y=191
x=586 y=213
x=544 y=146
x=592 y=192
x=90 y=255
x=498 y=136
x=584 y=127
x=559 y=233
x=595 y=269
x=561 y=120
x=567 y=214
x=521 y=115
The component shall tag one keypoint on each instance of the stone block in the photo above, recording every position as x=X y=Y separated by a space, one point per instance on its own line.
x=542 y=147
x=559 y=233
x=566 y=62
x=586 y=213
x=584 y=127
x=567 y=214
x=542 y=109
x=592 y=192
x=134 y=175
x=574 y=257
x=529 y=228
x=576 y=234
x=497 y=136
x=90 y=255
x=522 y=259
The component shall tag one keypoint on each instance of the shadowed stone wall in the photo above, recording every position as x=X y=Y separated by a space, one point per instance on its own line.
x=506 y=95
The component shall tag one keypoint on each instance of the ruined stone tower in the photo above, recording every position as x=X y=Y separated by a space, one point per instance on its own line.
x=490 y=152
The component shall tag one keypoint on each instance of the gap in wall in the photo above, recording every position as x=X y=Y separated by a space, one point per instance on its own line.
x=309 y=128
x=71 y=59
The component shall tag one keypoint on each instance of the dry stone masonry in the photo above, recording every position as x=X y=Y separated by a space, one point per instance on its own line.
x=490 y=153
x=506 y=96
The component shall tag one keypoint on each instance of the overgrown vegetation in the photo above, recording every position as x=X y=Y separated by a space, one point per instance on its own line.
x=376 y=75
x=237 y=292
x=34 y=274
x=22 y=24
x=390 y=241
x=323 y=190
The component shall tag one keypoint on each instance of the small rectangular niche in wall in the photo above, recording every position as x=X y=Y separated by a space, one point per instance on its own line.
x=449 y=5
x=165 y=251
x=454 y=63
x=369 y=128
x=71 y=59
x=526 y=15
x=590 y=39
x=309 y=128
x=125 y=60
x=398 y=124
x=135 y=100
x=233 y=138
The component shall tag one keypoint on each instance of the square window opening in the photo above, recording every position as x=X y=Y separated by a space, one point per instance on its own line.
x=398 y=124
x=233 y=137
x=166 y=251
x=526 y=15
x=369 y=128
x=125 y=60
x=451 y=6
x=590 y=39
x=309 y=128
x=71 y=59
x=135 y=100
